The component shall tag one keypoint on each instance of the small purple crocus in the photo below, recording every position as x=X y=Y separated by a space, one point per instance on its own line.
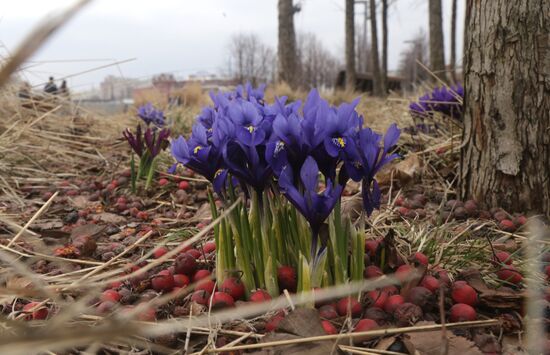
x=156 y=141
x=149 y=114
x=136 y=142
x=313 y=205
x=446 y=100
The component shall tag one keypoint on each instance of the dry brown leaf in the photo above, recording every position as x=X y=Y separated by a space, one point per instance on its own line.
x=427 y=343
x=500 y=299
x=402 y=172
x=108 y=217
x=302 y=322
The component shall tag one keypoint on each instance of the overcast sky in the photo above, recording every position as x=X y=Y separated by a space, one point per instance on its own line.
x=185 y=36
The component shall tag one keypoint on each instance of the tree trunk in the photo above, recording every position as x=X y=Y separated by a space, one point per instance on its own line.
x=437 y=49
x=505 y=157
x=376 y=77
x=350 y=45
x=385 y=46
x=287 y=43
x=453 y=41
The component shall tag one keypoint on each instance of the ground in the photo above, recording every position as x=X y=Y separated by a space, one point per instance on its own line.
x=97 y=260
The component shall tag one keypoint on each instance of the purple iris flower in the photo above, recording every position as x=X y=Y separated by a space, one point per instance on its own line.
x=136 y=142
x=313 y=205
x=446 y=100
x=342 y=127
x=198 y=153
x=149 y=114
x=372 y=158
x=156 y=141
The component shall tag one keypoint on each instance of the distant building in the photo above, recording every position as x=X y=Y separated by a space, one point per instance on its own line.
x=114 y=88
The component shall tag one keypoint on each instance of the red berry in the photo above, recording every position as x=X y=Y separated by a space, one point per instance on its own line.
x=371 y=247
x=163 y=282
x=443 y=277
x=234 y=287
x=201 y=274
x=372 y=271
x=286 y=276
x=329 y=327
x=420 y=296
x=350 y=303
x=185 y=264
x=461 y=312
x=403 y=272
x=328 y=311
x=403 y=211
x=393 y=302
x=142 y=215
x=110 y=295
x=430 y=282
x=105 y=307
x=400 y=200
x=38 y=313
x=510 y=274
x=148 y=315
x=364 y=325
x=163 y=182
x=206 y=285
x=520 y=220
x=464 y=293
x=181 y=280
x=377 y=298
x=209 y=247
x=160 y=251
x=273 y=323
x=222 y=300
x=507 y=225
x=201 y=297
x=183 y=185
x=259 y=296
x=502 y=257
x=196 y=253
x=420 y=258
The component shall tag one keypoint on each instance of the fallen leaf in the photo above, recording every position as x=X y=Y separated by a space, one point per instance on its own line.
x=402 y=172
x=500 y=299
x=41 y=225
x=108 y=217
x=427 y=343
x=301 y=323
x=86 y=230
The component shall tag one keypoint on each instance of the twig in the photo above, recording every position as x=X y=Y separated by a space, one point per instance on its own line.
x=36 y=215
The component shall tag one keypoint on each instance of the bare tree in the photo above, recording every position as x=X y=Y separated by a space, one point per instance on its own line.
x=362 y=54
x=350 y=45
x=251 y=60
x=408 y=67
x=318 y=67
x=453 y=41
x=384 y=46
x=437 y=54
x=286 y=47
x=375 y=64
x=505 y=157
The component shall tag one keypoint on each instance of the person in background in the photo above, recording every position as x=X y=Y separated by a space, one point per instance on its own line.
x=50 y=87
x=63 y=90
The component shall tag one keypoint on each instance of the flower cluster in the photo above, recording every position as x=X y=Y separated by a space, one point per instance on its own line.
x=446 y=100
x=149 y=114
x=286 y=147
x=147 y=144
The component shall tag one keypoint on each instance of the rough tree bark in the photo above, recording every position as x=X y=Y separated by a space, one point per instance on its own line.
x=505 y=157
x=453 y=41
x=375 y=64
x=350 y=45
x=286 y=47
x=384 y=46
x=437 y=49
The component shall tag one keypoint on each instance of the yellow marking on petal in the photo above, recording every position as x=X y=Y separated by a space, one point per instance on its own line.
x=341 y=142
x=250 y=129
x=196 y=149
